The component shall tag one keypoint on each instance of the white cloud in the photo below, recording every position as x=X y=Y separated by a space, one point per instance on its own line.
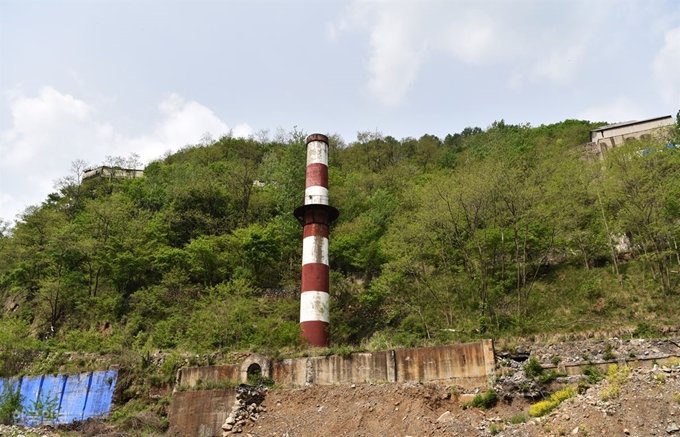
x=333 y=30
x=473 y=36
x=620 y=110
x=666 y=68
x=50 y=124
x=560 y=65
x=395 y=56
x=182 y=123
x=514 y=37
x=51 y=130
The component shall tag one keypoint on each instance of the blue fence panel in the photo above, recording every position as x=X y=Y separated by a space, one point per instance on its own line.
x=9 y=384
x=52 y=390
x=30 y=392
x=74 y=397
x=101 y=394
x=68 y=397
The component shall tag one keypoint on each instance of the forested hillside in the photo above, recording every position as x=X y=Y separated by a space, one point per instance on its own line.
x=507 y=231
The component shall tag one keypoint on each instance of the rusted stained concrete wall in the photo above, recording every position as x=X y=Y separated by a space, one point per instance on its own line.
x=190 y=376
x=467 y=365
x=358 y=367
x=292 y=372
x=200 y=413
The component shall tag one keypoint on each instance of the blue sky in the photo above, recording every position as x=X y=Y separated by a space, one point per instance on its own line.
x=90 y=79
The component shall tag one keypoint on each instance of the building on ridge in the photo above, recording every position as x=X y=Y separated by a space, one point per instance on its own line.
x=613 y=135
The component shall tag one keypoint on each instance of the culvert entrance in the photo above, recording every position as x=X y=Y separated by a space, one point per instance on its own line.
x=254 y=374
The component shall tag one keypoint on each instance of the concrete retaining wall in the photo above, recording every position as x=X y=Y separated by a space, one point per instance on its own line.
x=192 y=376
x=467 y=365
x=202 y=412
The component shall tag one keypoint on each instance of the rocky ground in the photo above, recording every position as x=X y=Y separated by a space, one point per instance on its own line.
x=641 y=400
x=647 y=404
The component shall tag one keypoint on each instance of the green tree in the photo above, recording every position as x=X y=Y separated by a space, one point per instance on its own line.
x=642 y=187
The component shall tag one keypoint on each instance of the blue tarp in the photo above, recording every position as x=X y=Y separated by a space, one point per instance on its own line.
x=64 y=398
x=100 y=394
x=73 y=397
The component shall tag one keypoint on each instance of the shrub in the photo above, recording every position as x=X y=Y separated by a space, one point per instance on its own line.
x=564 y=394
x=17 y=347
x=542 y=408
x=43 y=410
x=10 y=404
x=533 y=368
x=608 y=354
x=84 y=341
x=257 y=378
x=168 y=370
x=549 y=376
x=611 y=392
x=593 y=374
x=455 y=392
x=616 y=374
x=518 y=418
x=484 y=400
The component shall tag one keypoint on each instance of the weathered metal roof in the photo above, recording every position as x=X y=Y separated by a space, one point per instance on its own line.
x=629 y=123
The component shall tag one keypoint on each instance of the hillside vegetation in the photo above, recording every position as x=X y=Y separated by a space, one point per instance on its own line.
x=502 y=232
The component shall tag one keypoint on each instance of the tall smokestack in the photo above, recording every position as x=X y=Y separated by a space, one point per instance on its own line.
x=315 y=216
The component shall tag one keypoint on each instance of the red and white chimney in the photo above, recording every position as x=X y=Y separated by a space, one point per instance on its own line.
x=315 y=216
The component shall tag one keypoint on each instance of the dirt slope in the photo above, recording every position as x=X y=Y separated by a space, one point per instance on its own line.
x=647 y=403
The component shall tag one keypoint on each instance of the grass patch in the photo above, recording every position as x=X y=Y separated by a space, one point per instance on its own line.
x=518 y=418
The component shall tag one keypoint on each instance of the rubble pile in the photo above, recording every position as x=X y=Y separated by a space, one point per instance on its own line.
x=246 y=410
x=21 y=431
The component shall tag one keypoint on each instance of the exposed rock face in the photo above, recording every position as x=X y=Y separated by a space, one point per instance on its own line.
x=247 y=408
x=579 y=352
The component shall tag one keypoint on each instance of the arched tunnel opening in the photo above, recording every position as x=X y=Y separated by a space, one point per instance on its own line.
x=254 y=373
